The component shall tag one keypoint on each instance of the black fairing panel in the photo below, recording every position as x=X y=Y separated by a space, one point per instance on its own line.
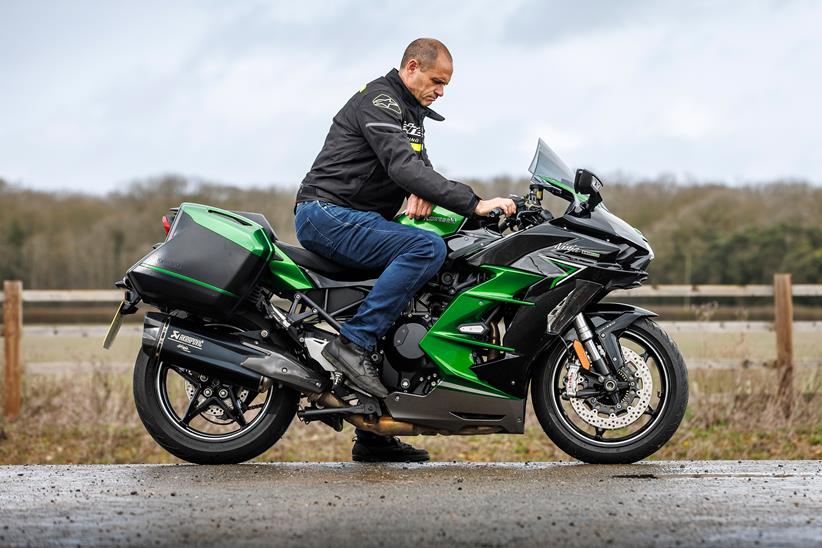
x=197 y=253
x=507 y=250
x=633 y=252
x=509 y=374
x=527 y=330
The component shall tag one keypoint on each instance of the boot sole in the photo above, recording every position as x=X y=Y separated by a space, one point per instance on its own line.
x=421 y=458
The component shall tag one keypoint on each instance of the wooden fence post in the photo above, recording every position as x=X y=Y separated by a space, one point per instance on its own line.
x=12 y=332
x=783 y=325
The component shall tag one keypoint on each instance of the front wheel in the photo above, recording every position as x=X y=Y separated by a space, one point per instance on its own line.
x=205 y=420
x=621 y=426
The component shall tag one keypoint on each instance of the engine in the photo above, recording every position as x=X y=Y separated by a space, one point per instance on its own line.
x=406 y=368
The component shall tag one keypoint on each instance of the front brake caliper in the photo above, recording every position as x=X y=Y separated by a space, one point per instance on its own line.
x=572 y=380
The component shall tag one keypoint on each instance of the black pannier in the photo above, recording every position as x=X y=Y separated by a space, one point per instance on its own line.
x=210 y=261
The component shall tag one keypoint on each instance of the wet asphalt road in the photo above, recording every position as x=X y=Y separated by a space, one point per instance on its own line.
x=342 y=504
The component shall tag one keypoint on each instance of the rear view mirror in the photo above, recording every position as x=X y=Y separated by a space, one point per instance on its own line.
x=586 y=183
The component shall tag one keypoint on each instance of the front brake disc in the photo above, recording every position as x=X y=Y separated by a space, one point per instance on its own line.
x=633 y=410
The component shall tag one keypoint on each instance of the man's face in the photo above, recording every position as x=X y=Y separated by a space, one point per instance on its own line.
x=429 y=84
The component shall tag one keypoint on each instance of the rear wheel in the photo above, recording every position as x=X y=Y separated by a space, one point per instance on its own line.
x=625 y=425
x=204 y=420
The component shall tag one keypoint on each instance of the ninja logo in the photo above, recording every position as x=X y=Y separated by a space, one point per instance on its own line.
x=384 y=101
x=573 y=248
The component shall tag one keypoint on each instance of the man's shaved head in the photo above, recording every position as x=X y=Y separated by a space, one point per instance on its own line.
x=426 y=69
x=425 y=51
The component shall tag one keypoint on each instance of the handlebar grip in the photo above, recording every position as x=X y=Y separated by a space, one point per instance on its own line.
x=495 y=213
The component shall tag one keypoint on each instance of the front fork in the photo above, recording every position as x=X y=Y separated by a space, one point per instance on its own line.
x=586 y=336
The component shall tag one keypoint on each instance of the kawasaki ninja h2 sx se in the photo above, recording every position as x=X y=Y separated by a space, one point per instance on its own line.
x=233 y=350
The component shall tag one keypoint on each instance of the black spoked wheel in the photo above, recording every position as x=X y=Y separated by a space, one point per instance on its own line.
x=207 y=408
x=205 y=420
x=624 y=422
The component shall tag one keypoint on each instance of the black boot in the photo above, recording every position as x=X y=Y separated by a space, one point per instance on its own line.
x=355 y=363
x=372 y=448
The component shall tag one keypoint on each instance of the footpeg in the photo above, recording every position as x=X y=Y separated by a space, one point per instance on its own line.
x=365 y=407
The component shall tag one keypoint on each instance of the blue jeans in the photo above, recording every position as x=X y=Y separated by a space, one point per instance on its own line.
x=407 y=256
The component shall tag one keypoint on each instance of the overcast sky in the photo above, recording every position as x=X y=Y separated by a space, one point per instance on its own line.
x=97 y=94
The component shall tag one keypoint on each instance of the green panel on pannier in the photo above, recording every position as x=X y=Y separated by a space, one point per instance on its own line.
x=240 y=230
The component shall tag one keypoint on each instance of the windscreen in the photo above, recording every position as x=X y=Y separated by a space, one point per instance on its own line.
x=546 y=164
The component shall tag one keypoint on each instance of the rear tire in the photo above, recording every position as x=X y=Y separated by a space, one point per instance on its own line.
x=255 y=440
x=548 y=407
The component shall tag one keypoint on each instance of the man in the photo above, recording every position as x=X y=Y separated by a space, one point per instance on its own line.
x=373 y=158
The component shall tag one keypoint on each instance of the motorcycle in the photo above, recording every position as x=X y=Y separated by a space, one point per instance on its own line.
x=233 y=350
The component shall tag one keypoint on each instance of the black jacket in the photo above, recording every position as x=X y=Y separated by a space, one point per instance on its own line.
x=374 y=155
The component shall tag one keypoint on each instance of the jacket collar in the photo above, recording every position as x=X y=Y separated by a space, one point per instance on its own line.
x=396 y=82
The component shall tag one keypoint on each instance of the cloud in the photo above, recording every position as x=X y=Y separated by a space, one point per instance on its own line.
x=245 y=92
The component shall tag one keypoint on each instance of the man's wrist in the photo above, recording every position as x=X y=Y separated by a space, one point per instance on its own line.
x=472 y=208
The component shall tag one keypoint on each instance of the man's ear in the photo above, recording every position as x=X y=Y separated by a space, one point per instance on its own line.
x=412 y=65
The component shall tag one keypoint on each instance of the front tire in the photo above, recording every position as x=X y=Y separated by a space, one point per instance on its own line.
x=184 y=442
x=588 y=440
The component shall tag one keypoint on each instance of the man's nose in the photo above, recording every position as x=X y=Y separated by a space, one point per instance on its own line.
x=439 y=90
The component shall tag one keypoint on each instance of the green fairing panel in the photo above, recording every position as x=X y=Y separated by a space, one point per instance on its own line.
x=286 y=275
x=441 y=221
x=451 y=350
x=243 y=232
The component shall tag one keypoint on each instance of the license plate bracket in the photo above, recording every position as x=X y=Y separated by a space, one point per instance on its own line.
x=114 y=328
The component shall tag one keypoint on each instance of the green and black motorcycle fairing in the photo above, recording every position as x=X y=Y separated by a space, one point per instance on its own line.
x=234 y=350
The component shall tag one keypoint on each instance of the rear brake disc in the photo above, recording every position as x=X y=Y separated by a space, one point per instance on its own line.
x=215 y=410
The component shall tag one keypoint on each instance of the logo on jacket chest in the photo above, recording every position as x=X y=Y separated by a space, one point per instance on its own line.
x=415 y=135
x=412 y=130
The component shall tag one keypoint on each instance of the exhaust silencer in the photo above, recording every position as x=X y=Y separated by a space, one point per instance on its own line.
x=251 y=366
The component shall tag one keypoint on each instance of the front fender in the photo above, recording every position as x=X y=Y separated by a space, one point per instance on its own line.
x=611 y=309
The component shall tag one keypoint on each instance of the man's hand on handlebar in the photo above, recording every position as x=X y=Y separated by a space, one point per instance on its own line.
x=501 y=205
x=417 y=208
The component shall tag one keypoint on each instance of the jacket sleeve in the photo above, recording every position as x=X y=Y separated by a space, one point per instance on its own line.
x=425 y=158
x=380 y=121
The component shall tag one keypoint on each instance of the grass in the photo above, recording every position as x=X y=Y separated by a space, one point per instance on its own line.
x=86 y=415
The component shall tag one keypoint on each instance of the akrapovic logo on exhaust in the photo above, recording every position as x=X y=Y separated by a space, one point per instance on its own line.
x=177 y=336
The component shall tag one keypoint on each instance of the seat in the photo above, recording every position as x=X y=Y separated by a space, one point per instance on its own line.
x=307 y=259
x=319 y=264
